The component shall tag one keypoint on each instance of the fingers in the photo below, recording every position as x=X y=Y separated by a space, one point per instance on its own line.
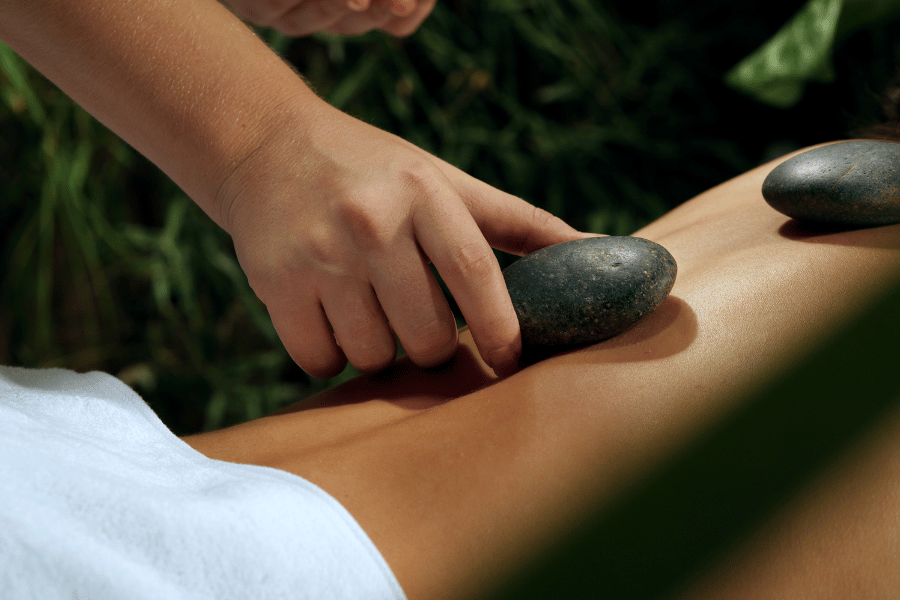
x=510 y=224
x=373 y=17
x=360 y=327
x=452 y=240
x=344 y=17
x=386 y=15
x=415 y=305
x=303 y=328
x=401 y=8
x=405 y=297
x=383 y=284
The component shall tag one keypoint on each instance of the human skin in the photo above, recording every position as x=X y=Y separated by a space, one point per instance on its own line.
x=327 y=213
x=352 y=17
x=461 y=478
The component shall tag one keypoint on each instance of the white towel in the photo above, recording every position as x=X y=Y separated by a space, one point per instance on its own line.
x=99 y=500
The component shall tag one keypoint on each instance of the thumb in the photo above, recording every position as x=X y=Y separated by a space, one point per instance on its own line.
x=512 y=225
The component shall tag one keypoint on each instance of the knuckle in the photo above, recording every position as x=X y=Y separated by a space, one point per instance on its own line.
x=471 y=260
x=432 y=343
x=540 y=220
x=367 y=346
x=418 y=176
x=321 y=249
x=371 y=229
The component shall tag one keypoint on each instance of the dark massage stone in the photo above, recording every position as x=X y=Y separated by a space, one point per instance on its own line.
x=848 y=183
x=585 y=291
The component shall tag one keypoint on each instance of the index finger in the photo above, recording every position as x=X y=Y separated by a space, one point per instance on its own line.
x=451 y=239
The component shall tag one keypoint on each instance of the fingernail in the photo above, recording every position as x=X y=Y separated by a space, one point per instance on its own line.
x=357 y=4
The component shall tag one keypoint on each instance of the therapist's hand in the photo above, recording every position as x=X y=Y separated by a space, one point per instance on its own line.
x=344 y=17
x=335 y=226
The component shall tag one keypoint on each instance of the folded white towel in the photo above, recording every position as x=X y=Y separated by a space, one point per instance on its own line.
x=99 y=500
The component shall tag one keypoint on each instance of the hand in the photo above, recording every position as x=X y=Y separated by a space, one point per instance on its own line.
x=335 y=227
x=343 y=17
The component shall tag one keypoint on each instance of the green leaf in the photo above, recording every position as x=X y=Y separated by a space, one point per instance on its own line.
x=16 y=72
x=801 y=51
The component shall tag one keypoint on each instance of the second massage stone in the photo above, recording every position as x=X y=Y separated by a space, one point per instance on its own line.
x=855 y=184
x=586 y=291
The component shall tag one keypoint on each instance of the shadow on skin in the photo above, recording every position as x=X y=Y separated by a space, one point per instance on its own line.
x=406 y=385
x=886 y=236
x=670 y=329
x=711 y=495
x=356 y=407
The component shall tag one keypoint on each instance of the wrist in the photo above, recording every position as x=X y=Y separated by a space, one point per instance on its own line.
x=286 y=154
x=278 y=146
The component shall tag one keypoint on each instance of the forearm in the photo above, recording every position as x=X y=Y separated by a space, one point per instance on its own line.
x=183 y=81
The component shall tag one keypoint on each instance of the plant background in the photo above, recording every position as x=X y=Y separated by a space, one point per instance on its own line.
x=606 y=113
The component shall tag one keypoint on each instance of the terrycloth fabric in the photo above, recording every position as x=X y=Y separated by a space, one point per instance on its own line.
x=99 y=500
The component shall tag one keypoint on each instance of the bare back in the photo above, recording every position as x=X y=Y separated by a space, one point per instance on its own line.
x=461 y=478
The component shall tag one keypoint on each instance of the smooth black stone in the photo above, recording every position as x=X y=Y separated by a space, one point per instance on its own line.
x=849 y=183
x=586 y=291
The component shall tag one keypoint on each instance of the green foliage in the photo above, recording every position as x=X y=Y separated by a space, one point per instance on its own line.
x=512 y=95
x=109 y=266
x=607 y=114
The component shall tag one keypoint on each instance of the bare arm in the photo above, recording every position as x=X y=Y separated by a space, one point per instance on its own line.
x=330 y=216
x=460 y=479
x=183 y=81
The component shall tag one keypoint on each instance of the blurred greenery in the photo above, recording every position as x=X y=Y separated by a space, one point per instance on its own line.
x=608 y=114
